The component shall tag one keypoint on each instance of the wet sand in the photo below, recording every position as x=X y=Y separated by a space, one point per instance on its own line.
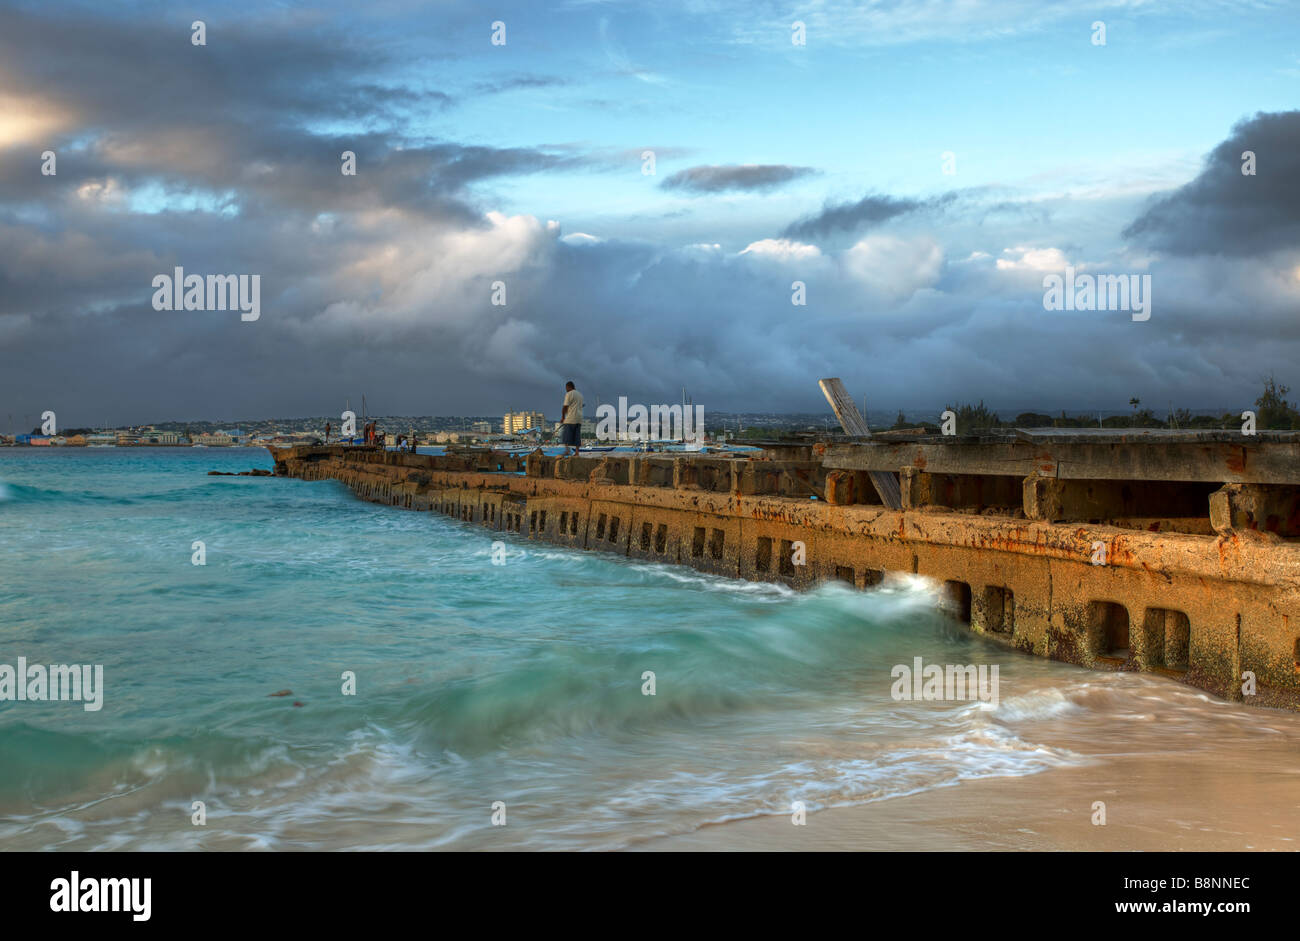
x=1244 y=798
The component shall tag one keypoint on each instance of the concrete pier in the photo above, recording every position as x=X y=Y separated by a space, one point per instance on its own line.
x=1163 y=553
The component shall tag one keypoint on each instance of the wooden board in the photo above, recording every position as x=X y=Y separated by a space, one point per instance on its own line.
x=854 y=424
x=851 y=419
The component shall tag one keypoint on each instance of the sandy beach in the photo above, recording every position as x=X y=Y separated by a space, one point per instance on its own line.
x=1237 y=797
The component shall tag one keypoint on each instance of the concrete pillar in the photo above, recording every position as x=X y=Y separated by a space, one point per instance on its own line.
x=685 y=476
x=1258 y=507
x=840 y=489
x=638 y=471
x=1042 y=499
x=917 y=488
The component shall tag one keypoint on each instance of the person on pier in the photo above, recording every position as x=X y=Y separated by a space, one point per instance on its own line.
x=571 y=419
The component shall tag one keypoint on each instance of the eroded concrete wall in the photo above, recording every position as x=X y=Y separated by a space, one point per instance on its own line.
x=1196 y=606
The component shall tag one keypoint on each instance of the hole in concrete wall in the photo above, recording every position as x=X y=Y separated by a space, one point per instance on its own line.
x=844 y=574
x=697 y=543
x=532 y=522
x=661 y=537
x=1166 y=638
x=763 y=554
x=573 y=525
x=872 y=577
x=541 y=521
x=785 y=561
x=999 y=609
x=600 y=527
x=1108 y=627
x=564 y=523
x=715 y=543
x=646 y=530
x=956 y=600
x=1297 y=655
x=613 y=529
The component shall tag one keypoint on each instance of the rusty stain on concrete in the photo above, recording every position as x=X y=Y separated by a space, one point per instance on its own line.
x=719 y=515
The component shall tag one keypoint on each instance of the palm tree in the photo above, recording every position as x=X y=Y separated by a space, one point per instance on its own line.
x=1135 y=403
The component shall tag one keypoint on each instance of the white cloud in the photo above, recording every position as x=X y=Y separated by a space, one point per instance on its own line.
x=1021 y=258
x=894 y=268
x=782 y=250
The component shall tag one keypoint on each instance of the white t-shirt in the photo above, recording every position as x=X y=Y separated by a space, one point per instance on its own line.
x=573 y=407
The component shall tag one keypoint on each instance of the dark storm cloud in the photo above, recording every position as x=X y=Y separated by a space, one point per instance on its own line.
x=147 y=74
x=380 y=283
x=240 y=120
x=867 y=212
x=1224 y=211
x=721 y=179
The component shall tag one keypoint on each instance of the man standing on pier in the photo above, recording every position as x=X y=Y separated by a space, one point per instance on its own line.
x=571 y=419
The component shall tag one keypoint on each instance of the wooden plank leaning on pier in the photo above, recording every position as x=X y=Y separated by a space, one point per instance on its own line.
x=855 y=425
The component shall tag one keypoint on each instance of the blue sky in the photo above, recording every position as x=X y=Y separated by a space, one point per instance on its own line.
x=523 y=163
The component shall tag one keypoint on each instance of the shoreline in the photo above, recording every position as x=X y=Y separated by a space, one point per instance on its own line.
x=1154 y=803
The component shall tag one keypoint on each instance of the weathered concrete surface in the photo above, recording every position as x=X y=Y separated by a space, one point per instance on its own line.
x=1256 y=507
x=1218 y=457
x=1194 y=605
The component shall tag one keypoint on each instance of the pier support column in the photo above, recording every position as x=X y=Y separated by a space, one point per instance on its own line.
x=638 y=471
x=1259 y=507
x=685 y=475
x=1043 y=498
x=840 y=488
x=917 y=488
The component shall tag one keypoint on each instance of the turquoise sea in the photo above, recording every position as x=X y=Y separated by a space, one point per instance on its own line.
x=475 y=683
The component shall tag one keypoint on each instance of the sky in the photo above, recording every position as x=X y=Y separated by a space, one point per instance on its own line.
x=648 y=182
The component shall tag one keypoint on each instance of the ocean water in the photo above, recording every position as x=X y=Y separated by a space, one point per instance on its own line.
x=476 y=683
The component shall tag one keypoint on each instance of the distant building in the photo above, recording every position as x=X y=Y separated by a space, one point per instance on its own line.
x=220 y=439
x=481 y=427
x=515 y=422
